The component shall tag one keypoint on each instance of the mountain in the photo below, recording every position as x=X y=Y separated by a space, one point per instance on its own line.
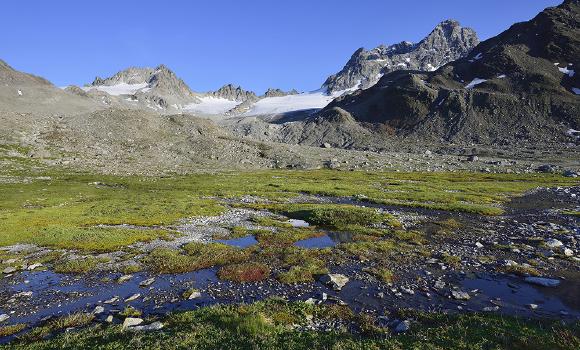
x=447 y=42
x=234 y=93
x=279 y=93
x=26 y=93
x=520 y=86
x=154 y=88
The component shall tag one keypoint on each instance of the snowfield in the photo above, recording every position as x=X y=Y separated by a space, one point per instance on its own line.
x=211 y=105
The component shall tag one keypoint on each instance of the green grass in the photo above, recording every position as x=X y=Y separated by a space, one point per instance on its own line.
x=270 y=325
x=62 y=210
x=82 y=265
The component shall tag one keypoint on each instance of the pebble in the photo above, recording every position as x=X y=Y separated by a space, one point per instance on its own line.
x=133 y=297
x=147 y=282
x=459 y=295
x=98 y=310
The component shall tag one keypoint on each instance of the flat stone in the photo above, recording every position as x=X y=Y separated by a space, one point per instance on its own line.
x=112 y=300
x=155 y=326
x=546 y=282
x=478 y=245
x=403 y=326
x=124 y=278
x=459 y=295
x=4 y=317
x=98 y=310
x=147 y=282
x=34 y=266
x=194 y=295
x=334 y=280
x=554 y=243
x=131 y=322
x=133 y=297
x=9 y=270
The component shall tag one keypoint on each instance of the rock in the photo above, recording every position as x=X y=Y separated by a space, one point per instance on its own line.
x=9 y=270
x=570 y=173
x=428 y=153
x=554 y=243
x=403 y=326
x=112 y=300
x=546 y=282
x=472 y=158
x=98 y=310
x=34 y=266
x=439 y=284
x=490 y=308
x=407 y=290
x=155 y=326
x=326 y=145
x=547 y=168
x=567 y=252
x=459 y=295
x=533 y=306
x=147 y=282
x=124 y=278
x=193 y=294
x=478 y=245
x=133 y=297
x=109 y=319
x=334 y=280
x=4 y=317
x=131 y=322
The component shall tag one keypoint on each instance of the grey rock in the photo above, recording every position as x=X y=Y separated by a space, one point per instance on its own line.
x=403 y=326
x=98 y=310
x=334 y=281
x=9 y=270
x=554 y=243
x=147 y=282
x=546 y=282
x=133 y=297
x=460 y=295
x=131 y=322
x=4 y=317
x=155 y=326
x=34 y=266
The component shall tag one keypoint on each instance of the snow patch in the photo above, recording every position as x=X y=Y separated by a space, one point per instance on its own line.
x=118 y=89
x=290 y=103
x=211 y=105
x=501 y=76
x=475 y=82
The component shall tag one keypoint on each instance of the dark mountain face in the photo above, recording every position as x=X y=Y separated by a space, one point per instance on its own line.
x=519 y=85
x=447 y=42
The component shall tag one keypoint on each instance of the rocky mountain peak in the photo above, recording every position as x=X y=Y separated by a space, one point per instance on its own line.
x=234 y=93
x=279 y=93
x=448 y=41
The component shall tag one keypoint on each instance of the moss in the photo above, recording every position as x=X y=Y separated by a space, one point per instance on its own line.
x=244 y=272
x=130 y=311
x=7 y=331
x=82 y=265
x=520 y=270
x=451 y=260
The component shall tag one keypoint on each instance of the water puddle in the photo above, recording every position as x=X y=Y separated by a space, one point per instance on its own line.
x=242 y=242
x=328 y=240
x=514 y=294
x=56 y=294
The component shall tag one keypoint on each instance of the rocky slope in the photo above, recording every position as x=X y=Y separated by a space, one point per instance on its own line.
x=447 y=42
x=519 y=86
x=23 y=92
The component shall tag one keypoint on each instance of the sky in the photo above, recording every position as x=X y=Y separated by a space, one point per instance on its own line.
x=253 y=43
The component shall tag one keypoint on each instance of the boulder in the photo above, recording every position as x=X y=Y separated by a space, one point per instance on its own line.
x=459 y=295
x=131 y=322
x=334 y=280
x=155 y=326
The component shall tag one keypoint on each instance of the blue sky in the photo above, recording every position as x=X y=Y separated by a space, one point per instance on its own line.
x=256 y=44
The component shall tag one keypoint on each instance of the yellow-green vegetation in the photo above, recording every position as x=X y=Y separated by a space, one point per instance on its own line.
x=521 y=270
x=271 y=325
x=383 y=274
x=451 y=260
x=81 y=265
x=7 y=331
x=65 y=210
x=195 y=256
x=78 y=319
x=130 y=311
